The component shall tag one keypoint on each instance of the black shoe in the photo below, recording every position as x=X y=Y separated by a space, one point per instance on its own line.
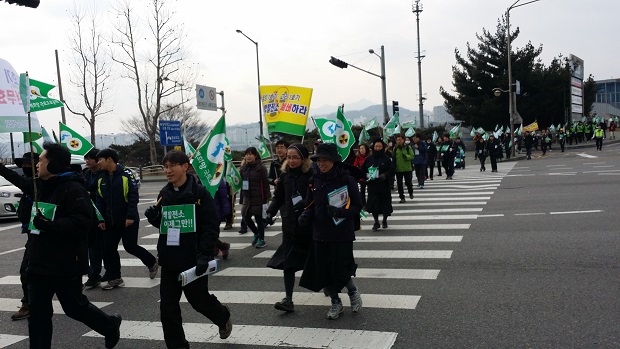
x=285 y=305
x=243 y=231
x=411 y=194
x=93 y=282
x=384 y=225
x=115 y=336
x=375 y=226
x=227 y=328
x=402 y=201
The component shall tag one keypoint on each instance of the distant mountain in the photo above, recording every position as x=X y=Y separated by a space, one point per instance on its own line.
x=329 y=109
x=363 y=115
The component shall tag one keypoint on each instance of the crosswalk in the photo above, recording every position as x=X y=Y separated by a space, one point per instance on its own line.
x=427 y=229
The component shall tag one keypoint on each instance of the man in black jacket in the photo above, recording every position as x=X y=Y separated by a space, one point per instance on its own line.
x=24 y=209
x=117 y=200
x=528 y=142
x=95 y=235
x=185 y=243
x=59 y=255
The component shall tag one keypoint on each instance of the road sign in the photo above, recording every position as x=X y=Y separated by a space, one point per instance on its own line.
x=170 y=132
x=206 y=98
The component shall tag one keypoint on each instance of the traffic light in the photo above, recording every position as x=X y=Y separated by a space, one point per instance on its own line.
x=338 y=63
x=394 y=107
x=27 y=3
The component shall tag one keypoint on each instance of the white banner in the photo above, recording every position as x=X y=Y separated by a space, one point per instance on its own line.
x=12 y=115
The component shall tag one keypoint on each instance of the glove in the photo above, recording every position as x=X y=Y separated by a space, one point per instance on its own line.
x=269 y=219
x=334 y=211
x=202 y=264
x=382 y=177
x=40 y=222
x=304 y=219
x=152 y=213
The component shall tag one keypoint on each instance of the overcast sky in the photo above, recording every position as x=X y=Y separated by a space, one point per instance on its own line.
x=296 y=39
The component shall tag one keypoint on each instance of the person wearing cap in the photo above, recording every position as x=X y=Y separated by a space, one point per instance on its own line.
x=493 y=149
x=330 y=264
x=95 y=236
x=290 y=198
x=181 y=249
x=256 y=193
x=24 y=209
x=379 y=168
x=599 y=135
x=60 y=251
x=117 y=200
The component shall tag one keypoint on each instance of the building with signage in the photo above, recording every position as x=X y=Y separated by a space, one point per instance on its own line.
x=607 y=102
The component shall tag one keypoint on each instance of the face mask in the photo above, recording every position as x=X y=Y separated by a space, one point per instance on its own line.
x=407 y=142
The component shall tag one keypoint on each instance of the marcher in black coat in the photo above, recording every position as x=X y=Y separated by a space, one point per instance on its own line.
x=431 y=155
x=494 y=149
x=184 y=249
x=289 y=197
x=59 y=252
x=481 y=152
x=528 y=142
x=330 y=263
x=379 y=192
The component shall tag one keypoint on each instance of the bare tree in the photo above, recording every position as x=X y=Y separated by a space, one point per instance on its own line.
x=89 y=69
x=153 y=70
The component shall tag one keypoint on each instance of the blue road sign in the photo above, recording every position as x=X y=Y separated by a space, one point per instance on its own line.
x=170 y=132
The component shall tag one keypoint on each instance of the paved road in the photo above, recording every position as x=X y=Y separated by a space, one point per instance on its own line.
x=524 y=258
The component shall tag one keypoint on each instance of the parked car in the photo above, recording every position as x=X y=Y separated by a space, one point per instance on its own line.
x=9 y=197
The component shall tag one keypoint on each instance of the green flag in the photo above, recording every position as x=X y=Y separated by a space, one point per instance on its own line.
x=435 y=136
x=189 y=150
x=551 y=128
x=73 y=141
x=37 y=141
x=263 y=151
x=390 y=127
x=344 y=135
x=327 y=129
x=372 y=123
x=39 y=96
x=233 y=177
x=408 y=124
x=46 y=136
x=410 y=132
x=208 y=159
x=227 y=150
x=364 y=136
x=455 y=131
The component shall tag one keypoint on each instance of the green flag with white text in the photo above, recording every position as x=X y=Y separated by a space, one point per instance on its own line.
x=208 y=159
x=233 y=177
x=372 y=123
x=327 y=129
x=344 y=135
x=73 y=141
x=390 y=127
x=263 y=151
x=364 y=136
x=39 y=96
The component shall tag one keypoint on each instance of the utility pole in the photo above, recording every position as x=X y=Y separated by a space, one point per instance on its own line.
x=417 y=8
x=62 y=109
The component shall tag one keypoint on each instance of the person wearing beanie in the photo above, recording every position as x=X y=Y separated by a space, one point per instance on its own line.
x=379 y=168
x=117 y=200
x=330 y=264
x=59 y=255
x=290 y=198
x=24 y=209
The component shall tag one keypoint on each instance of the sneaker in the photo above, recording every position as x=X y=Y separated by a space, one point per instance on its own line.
x=105 y=278
x=254 y=240
x=384 y=225
x=113 y=284
x=227 y=328
x=115 y=336
x=22 y=313
x=335 y=310
x=411 y=196
x=375 y=226
x=225 y=251
x=402 y=201
x=285 y=305
x=243 y=231
x=228 y=226
x=93 y=282
x=356 y=301
x=260 y=243
x=153 y=271
x=421 y=187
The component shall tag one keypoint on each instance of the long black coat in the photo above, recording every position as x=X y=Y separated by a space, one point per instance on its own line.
x=379 y=190
x=296 y=239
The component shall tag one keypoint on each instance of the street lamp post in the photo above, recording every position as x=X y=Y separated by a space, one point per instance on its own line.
x=512 y=99
x=260 y=106
x=386 y=117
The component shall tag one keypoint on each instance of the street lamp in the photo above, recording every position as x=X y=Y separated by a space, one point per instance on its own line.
x=341 y=64
x=260 y=107
x=512 y=100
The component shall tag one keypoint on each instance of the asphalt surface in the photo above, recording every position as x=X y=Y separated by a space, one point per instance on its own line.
x=537 y=268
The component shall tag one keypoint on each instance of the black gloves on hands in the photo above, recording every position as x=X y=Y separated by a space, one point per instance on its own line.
x=202 y=264
x=334 y=212
x=304 y=219
x=152 y=213
x=40 y=222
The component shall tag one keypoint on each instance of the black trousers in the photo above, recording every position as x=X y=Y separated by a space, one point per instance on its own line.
x=112 y=236
x=257 y=228
x=420 y=172
x=482 y=161
x=68 y=289
x=198 y=296
x=430 y=166
x=363 y=193
x=439 y=164
x=399 y=183
x=95 y=253
x=493 y=162
x=448 y=165
x=599 y=143
x=23 y=276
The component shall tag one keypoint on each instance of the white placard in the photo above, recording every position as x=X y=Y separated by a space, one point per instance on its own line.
x=206 y=98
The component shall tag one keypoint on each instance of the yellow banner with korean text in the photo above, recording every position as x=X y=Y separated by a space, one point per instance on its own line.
x=531 y=127
x=286 y=108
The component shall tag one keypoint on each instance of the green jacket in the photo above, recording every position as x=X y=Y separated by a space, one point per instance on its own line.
x=402 y=158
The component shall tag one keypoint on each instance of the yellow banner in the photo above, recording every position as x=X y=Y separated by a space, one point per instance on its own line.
x=531 y=127
x=286 y=104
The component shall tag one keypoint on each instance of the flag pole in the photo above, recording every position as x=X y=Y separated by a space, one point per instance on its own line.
x=34 y=178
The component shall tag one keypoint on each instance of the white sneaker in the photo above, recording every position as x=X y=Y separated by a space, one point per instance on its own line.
x=356 y=300
x=335 y=310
